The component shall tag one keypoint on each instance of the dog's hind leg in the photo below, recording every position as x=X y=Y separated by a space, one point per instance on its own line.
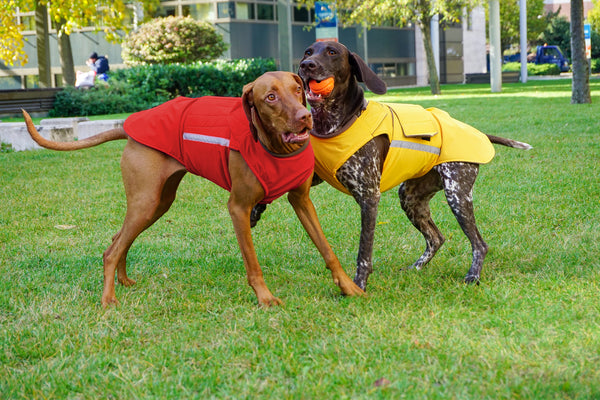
x=415 y=195
x=458 y=180
x=151 y=180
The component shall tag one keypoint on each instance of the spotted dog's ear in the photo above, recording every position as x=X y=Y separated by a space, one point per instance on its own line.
x=363 y=73
x=249 y=109
x=299 y=80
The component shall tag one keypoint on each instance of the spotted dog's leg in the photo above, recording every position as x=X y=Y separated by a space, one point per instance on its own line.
x=361 y=175
x=458 y=179
x=256 y=213
x=415 y=195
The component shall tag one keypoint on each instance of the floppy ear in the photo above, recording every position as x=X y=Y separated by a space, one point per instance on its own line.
x=363 y=73
x=248 y=104
x=299 y=80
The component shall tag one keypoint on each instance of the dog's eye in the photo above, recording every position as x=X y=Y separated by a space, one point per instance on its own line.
x=308 y=53
x=299 y=89
x=331 y=52
x=271 y=97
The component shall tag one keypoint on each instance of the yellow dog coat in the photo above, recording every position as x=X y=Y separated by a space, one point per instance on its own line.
x=419 y=140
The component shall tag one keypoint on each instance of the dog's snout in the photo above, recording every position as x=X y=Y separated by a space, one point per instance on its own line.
x=308 y=65
x=303 y=115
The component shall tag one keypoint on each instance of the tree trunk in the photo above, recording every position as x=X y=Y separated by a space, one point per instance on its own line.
x=434 y=81
x=580 y=92
x=42 y=37
x=66 y=57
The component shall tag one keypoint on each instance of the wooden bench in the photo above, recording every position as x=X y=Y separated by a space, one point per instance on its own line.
x=32 y=100
x=507 y=77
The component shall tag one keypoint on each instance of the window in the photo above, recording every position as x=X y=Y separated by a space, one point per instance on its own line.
x=226 y=10
x=244 y=10
x=301 y=14
x=265 y=12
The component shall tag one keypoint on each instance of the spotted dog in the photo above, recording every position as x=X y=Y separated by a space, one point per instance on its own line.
x=451 y=164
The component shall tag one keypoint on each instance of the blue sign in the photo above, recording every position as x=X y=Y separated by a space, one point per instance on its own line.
x=587 y=32
x=326 y=21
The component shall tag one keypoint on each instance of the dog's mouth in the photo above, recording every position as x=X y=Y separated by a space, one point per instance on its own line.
x=318 y=89
x=296 y=137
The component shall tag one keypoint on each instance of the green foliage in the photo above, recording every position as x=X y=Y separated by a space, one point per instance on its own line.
x=558 y=33
x=5 y=148
x=595 y=44
x=595 y=66
x=510 y=21
x=593 y=15
x=218 y=78
x=190 y=328
x=118 y=97
x=533 y=69
x=145 y=86
x=173 y=40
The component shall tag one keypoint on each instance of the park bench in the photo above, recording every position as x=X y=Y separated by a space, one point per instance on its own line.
x=33 y=100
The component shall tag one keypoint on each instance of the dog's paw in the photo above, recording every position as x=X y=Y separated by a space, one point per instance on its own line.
x=348 y=287
x=125 y=281
x=270 y=302
x=472 y=279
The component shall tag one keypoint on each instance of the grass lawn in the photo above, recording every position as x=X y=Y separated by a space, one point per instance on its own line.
x=191 y=327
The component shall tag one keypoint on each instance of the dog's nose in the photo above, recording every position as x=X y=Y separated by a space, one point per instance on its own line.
x=308 y=64
x=303 y=115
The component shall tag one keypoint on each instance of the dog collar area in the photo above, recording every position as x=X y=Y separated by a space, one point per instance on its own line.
x=292 y=154
x=344 y=127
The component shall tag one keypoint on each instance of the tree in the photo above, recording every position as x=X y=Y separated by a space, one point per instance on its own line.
x=558 y=33
x=110 y=16
x=11 y=40
x=580 y=92
x=509 y=21
x=594 y=15
x=173 y=40
x=400 y=13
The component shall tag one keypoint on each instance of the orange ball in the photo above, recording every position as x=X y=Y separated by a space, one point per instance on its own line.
x=323 y=88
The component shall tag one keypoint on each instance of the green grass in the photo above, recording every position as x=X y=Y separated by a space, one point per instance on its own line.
x=191 y=328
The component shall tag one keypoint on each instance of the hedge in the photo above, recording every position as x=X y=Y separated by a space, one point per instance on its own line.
x=533 y=69
x=145 y=86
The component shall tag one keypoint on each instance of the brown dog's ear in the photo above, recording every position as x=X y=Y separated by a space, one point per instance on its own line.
x=363 y=73
x=248 y=104
x=299 y=80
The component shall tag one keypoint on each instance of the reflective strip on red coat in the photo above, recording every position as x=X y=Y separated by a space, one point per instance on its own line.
x=200 y=132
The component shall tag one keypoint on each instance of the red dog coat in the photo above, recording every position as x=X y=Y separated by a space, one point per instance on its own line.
x=200 y=132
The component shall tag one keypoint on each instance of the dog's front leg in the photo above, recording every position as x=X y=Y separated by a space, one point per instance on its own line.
x=305 y=210
x=246 y=191
x=361 y=175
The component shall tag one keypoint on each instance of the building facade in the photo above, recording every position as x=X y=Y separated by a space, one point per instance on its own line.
x=251 y=29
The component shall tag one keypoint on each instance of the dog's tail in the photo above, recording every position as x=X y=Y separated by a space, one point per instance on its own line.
x=103 y=137
x=509 y=142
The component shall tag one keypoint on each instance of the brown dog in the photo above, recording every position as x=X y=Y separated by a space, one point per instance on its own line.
x=212 y=137
x=387 y=134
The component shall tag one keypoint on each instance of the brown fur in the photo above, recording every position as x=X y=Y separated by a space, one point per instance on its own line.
x=151 y=179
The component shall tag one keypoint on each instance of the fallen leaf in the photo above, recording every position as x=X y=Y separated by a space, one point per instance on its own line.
x=381 y=382
x=65 y=227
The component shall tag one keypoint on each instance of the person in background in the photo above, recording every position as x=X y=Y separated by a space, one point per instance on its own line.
x=99 y=64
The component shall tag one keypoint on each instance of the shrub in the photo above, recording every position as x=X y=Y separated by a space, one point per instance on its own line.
x=141 y=87
x=218 y=78
x=533 y=69
x=173 y=40
x=595 y=65
x=118 y=97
